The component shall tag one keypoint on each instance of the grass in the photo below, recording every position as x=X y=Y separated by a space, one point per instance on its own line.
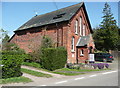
x=15 y=80
x=32 y=64
x=78 y=70
x=71 y=71
x=67 y=74
x=35 y=73
x=61 y=71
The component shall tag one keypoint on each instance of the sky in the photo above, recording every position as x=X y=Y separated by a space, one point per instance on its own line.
x=15 y=14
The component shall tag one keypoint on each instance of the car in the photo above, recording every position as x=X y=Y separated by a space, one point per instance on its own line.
x=105 y=57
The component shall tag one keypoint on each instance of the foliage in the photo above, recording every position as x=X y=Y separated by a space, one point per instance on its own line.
x=35 y=56
x=35 y=73
x=46 y=42
x=53 y=58
x=32 y=64
x=11 y=63
x=15 y=80
x=106 y=36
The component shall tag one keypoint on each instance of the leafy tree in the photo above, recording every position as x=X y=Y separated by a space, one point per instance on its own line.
x=35 y=56
x=4 y=39
x=106 y=36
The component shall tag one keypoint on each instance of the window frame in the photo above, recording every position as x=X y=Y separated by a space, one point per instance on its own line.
x=76 y=26
x=73 y=44
x=81 y=52
x=84 y=30
x=80 y=26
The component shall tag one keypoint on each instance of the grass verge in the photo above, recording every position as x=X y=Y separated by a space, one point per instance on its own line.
x=67 y=74
x=80 y=70
x=72 y=72
x=35 y=73
x=32 y=64
x=15 y=80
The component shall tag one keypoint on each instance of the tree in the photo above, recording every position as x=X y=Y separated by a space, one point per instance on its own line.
x=106 y=36
x=4 y=39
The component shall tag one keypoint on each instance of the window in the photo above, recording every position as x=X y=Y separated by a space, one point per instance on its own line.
x=72 y=44
x=84 y=30
x=76 y=27
x=81 y=52
x=59 y=16
x=80 y=25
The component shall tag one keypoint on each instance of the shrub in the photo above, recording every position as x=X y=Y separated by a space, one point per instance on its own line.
x=53 y=58
x=11 y=64
x=69 y=65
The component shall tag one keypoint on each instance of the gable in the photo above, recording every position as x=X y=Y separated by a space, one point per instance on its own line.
x=82 y=13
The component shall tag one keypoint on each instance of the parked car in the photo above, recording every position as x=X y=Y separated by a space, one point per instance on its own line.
x=105 y=57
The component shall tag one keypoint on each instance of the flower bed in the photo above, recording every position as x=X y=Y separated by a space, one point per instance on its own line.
x=99 y=65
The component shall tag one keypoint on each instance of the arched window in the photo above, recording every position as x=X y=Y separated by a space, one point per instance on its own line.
x=80 y=25
x=72 y=44
x=76 y=27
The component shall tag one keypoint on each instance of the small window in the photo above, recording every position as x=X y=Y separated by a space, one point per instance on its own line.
x=80 y=25
x=59 y=16
x=84 y=28
x=72 y=44
x=76 y=27
x=81 y=52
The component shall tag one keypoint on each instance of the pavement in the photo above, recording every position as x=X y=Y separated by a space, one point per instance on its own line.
x=101 y=78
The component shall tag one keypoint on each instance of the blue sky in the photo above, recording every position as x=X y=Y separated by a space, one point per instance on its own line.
x=14 y=14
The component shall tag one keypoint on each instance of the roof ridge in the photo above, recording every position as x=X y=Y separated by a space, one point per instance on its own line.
x=59 y=9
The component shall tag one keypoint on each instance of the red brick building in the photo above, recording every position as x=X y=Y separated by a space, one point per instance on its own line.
x=68 y=27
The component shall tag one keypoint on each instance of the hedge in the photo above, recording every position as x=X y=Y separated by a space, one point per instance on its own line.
x=11 y=62
x=53 y=58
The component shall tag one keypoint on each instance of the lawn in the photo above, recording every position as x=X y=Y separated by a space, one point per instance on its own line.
x=35 y=73
x=15 y=80
x=64 y=71
x=78 y=70
x=67 y=74
x=72 y=72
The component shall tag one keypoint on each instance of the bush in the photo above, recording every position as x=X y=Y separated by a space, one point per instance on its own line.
x=69 y=65
x=53 y=58
x=11 y=62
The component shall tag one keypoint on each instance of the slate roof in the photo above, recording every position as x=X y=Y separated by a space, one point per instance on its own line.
x=49 y=18
x=83 y=40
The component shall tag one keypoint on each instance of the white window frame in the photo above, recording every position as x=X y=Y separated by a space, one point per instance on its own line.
x=73 y=44
x=80 y=26
x=81 y=52
x=76 y=27
x=84 y=31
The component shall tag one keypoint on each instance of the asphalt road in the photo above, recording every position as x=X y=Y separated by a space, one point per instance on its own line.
x=99 y=79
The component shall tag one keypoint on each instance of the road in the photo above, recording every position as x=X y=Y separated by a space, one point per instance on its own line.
x=99 y=79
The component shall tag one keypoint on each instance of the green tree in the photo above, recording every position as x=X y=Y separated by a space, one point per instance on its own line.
x=106 y=36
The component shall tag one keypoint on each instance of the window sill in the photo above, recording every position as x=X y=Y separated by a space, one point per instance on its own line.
x=81 y=55
x=76 y=33
x=72 y=51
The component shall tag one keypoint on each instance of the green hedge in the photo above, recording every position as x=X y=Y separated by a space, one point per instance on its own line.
x=53 y=58
x=11 y=64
